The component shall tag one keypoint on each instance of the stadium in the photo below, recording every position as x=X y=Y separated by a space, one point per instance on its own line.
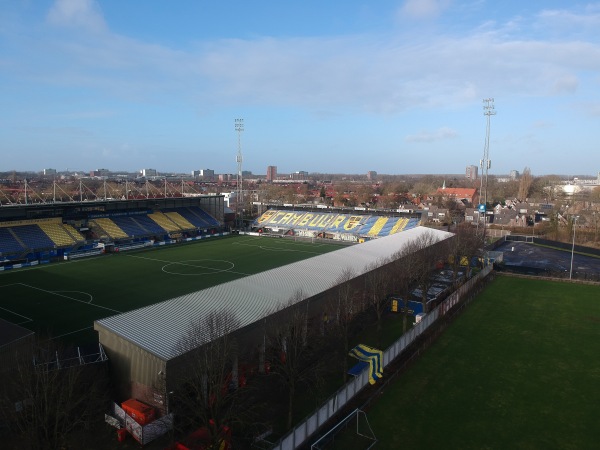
x=142 y=323
x=134 y=285
x=338 y=226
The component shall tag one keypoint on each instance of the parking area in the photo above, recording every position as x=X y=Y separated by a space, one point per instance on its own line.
x=524 y=256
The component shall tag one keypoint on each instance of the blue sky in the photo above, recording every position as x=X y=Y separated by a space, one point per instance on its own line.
x=323 y=86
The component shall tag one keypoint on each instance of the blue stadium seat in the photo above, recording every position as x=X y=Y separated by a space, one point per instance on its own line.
x=385 y=230
x=346 y=223
x=343 y=223
x=195 y=219
x=33 y=237
x=412 y=223
x=8 y=243
x=149 y=225
x=129 y=226
x=205 y=216
x=368 y=224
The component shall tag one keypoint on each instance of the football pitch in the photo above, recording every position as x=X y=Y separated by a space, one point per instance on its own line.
x=518 y=369
x=63 y=300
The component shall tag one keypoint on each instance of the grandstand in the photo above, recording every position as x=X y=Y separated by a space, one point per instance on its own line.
x=198 y=217
x=179 y=220
x=8 y=242
x=106 y=228
x=21 y=237
x=31 y=234
x=63 y=235
x=333 y=225
x=164 y=222
x=50 y=232
x=145 y=344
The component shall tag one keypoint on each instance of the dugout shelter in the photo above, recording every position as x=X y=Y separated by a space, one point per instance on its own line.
x=144 y=345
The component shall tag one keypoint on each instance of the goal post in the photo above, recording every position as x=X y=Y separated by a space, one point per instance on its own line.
x=355 y=428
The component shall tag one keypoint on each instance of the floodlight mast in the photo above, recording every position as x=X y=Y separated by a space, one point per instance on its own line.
x=485 y=163
x=239 y=127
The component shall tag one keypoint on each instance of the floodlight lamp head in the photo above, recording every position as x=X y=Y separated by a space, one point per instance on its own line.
x=239 y=124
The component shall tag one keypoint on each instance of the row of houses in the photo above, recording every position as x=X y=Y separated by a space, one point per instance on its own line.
x=462 y=207
x=517 y=214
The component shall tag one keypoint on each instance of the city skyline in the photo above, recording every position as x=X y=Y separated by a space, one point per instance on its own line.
x=341 y=87
x=271 y=174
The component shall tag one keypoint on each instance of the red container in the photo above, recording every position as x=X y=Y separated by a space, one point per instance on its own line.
x=140 y=412
x=121 y=434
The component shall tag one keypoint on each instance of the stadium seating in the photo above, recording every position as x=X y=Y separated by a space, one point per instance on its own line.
x=57 y=233
x=32 y=237
x=8 y=242
x=76 y=235
x=212 y=222
x=336 y=223
x=347 y=223
x=393 y=225
x=38 y=236
x=193 y=217
x=370 y=226
x=180 y=220
x=109 y=228
x=412 y=223
x=148 y=225
x=164 y=222
x=129 y=226
x=53 y=234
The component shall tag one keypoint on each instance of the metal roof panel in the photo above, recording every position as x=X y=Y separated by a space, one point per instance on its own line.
x=161 y=328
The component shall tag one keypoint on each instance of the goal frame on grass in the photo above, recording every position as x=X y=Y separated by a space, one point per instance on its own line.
x=359 y=416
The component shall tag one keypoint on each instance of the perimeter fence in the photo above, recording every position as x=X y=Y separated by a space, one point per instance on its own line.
x=300 y=434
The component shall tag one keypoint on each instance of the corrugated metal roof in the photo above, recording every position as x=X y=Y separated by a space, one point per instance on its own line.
x=161 y=328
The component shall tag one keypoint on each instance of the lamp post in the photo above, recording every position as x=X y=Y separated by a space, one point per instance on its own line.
x=573 y=247
x=239 y=127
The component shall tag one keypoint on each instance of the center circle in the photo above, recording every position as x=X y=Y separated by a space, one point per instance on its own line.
x=198 y=267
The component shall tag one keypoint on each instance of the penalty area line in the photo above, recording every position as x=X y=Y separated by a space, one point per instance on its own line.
x=29 y=319
x=71 y=298
x=72 y=332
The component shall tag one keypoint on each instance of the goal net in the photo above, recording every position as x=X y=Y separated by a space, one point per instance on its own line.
x=352 y=432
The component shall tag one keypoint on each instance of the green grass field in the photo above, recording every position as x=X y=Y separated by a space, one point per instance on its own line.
x=63 y=299
x=519 y=369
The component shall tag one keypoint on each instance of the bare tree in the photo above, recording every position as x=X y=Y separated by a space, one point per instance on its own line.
x=525 y=184
x=292 y=349
x=424 y=257
x=364 y=194
x=209 y=391
x=343 y=304
x=463 y=246
x=377 y=289
x=403 y=277
x=45 y=401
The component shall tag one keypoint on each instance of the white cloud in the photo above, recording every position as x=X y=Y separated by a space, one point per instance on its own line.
x=89 y=114
x=378 y=74
x=423 y=9
x=588 y=108
x=541 y=124
x=563 y=18
x=83 y=14
x=566 y=84
x=431 y=136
